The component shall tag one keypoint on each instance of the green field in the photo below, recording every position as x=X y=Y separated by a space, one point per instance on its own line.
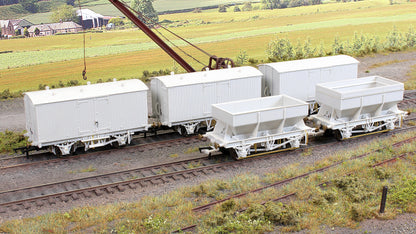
x=127 y=53
x=104 y=7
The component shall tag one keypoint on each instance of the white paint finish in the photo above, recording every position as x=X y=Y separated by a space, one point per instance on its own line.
x=188 y=97
x=101 y=109
x=298 y=78
x=256 y=116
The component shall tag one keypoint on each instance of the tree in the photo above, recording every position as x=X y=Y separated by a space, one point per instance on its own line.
x=116 y=21
x=64 y=13
x=37 y=31
x=247 y=6
x=222 y=8
x=26 y=32
x=29 y=5
x=148 y=14
x=271 y=4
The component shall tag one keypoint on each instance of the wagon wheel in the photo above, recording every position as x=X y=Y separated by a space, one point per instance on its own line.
x=225 y=151
x=73 y=150
x=182 y=131
x=58 y=152
x=115 y=145
x=338 y=135
x=233 y=153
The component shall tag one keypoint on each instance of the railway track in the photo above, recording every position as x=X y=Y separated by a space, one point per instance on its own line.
x=139 y=144
x=107 y=183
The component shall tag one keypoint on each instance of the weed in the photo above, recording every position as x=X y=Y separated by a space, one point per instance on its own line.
x=192 y=165
x=191 y=150
x=173 y=155
x=307 y=152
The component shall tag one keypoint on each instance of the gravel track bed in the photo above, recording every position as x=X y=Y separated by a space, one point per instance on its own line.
x=12 y=117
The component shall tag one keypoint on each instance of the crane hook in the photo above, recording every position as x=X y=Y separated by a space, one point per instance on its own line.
x=84 y=74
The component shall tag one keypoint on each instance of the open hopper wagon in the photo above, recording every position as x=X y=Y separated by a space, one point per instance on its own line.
x=359 y=106
x=259 y=124
x=86 y=116
x=183 y=101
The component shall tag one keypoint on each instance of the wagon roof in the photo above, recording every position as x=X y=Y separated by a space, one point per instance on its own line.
x=86 y=91
x=312 y=63
x=209 y=76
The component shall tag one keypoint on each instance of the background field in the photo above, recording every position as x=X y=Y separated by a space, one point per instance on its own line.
x=127 y=53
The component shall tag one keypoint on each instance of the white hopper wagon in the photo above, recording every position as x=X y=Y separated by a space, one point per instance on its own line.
x=90 y=115
x=259 y=124
x=183 y=101
x=298 y=78
x=359 y=106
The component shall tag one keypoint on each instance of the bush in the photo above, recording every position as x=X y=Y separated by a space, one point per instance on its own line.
x=395 y=41
x=280 y=50
x=247 y=6
x=222 y=8
x=237 y=9
x=116 y=21
x=10 y=140
x=6 y=94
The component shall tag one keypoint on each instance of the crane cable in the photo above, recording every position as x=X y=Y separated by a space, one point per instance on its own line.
x=147 y=19
x=84 y=72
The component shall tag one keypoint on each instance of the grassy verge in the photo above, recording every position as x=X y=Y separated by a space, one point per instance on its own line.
x=342 y=201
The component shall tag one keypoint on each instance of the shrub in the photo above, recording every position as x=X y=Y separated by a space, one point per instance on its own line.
x=10 y=140
x=237 y=9
x=247 y=7
x=222 y=8
x=404 y=192
x=242 y=57
x=280 y=50
x=395 y=41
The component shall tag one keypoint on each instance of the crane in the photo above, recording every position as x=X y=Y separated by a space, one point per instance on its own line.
x=214 y=61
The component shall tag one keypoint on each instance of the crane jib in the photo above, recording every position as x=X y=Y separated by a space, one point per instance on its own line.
x=152 y=35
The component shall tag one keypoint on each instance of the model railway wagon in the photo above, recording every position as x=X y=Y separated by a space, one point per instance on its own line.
x=260 y=124
x=86 y=116
x=359 y=106
x=348 y=107
x=90 y=116
x=183 y=101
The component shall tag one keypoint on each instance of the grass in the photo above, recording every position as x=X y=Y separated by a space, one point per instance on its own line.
x=342 y=202
x=90 y=168
x=127 y=53
x=386 y=63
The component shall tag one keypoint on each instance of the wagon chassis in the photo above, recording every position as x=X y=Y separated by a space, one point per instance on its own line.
x=345 y=129
x=242 y=148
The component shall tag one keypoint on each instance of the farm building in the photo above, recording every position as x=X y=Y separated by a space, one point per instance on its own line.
x=51 y=29
x=6 y=28
x=9 y=27
x=91 y=19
